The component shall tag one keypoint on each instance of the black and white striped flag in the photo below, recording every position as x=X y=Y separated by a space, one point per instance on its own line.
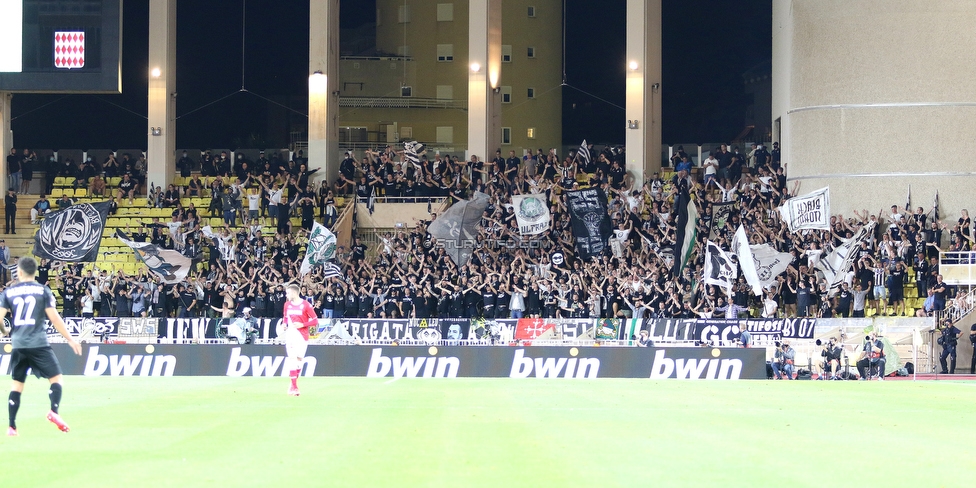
x=13 y=272
x=412 y=150
x=584 y=152
x=331 y=270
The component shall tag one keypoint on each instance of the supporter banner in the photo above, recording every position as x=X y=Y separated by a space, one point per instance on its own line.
x=321 y=249
x=672 y=329
x=169 y=265
x=811 y=211
x=412 y=151
x=719 y=268
x=528 y=330
x=836 y=264
x=608 y=329
x=727 y=331
x=686 y=229
x=747 y=263
x=72 y=234
x=770 y=263
x=456 y=230
x=414 y=362
x=590 y=221
x=721 y=213
x=532 y=214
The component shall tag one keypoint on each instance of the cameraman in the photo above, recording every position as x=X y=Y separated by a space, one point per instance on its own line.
x=783 y=360
x=948 y=340
x=872 y=356
x=831 y=353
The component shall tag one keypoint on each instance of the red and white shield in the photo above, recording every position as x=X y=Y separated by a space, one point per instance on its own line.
x=69 y=49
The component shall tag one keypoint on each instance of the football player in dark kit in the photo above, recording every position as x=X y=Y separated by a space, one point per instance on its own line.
x=30 y=304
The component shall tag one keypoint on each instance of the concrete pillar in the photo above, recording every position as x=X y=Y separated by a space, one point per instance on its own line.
x=6 y=134
x=484 y=74
x=643 y=105
x=161 y=147
x=323 y=87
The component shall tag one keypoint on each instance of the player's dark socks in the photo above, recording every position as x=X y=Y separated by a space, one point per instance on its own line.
x=13 y=404
x=55 y=394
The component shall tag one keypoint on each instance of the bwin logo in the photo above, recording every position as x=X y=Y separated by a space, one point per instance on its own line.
x=523 y=367
x=262 y=365
x=693 y=369
x=408 y=367
x=128 y=364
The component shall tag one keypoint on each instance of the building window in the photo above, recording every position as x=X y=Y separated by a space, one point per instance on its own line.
x=530 y=93
x=445 y=12
x=506 y=136
x=406 y=132
x=406 y=91
x=445 y=53
x=445 y=92
x=530 y=133
x=403 y=14
x=506 y=53
x=506 y=94
x=531 y=11
x=531 y=52
x=445 y=135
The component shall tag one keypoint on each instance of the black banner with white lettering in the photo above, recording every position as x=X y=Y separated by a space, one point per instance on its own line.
x=590 y=221
x=763 y=331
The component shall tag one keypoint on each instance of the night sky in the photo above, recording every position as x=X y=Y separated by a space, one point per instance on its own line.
x=708 y=44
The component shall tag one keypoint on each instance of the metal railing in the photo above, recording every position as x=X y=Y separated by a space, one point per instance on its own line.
x=958 y=268
x=958 y=308
x=401 y=102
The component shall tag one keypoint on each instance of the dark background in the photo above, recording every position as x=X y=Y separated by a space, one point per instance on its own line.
x=708 y=44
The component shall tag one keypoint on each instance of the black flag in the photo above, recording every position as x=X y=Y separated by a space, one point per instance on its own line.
x=591 y=222
x=72 y=234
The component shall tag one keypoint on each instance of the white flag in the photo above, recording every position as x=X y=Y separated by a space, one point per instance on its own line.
x=770 y=263
x=740 y=246
x=532 y=214
x=836 y=264
x=719 y=268
x=811 y=211
x=320 y=249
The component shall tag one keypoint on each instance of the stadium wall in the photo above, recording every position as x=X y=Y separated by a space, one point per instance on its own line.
x=873 y=96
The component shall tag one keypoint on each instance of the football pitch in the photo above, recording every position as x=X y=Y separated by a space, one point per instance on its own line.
x=189 y=431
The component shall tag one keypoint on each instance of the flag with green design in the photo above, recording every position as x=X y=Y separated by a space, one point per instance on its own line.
x=320 y=249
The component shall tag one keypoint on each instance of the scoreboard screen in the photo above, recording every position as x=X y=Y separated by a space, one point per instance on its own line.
x=66 y=46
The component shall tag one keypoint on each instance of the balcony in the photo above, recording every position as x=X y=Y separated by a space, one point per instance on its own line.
x=401 y=102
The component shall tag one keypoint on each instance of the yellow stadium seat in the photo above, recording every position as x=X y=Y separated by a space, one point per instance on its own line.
x=81 y=193
x=59 y=181
x=113 y=181
x=69 y=180
x=57 y=192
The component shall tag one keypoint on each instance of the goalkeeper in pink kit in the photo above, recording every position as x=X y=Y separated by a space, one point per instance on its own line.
x=298 y=317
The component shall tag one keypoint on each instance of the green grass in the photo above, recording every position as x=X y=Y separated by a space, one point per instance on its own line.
x=494 y=432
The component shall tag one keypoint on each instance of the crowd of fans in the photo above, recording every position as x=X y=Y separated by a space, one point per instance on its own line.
x=509 y=275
